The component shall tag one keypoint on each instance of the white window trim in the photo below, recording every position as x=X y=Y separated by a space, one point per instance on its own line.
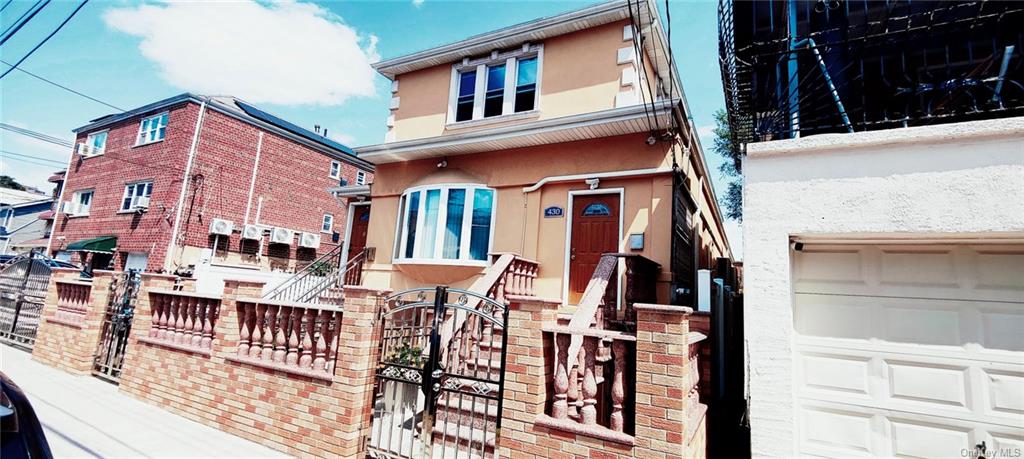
x=442 y=215
x=332 y=173
x=323 y=221
x=510 y=60
x=360 y=178
x=88 y=143
x=138 y=136
x=568 y=241
x=76 y=204
x=124 y=195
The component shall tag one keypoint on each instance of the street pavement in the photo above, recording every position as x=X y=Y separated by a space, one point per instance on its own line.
x=86 y=417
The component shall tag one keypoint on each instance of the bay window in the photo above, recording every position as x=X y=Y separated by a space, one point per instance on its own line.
x=445 y=223
x=501 y=84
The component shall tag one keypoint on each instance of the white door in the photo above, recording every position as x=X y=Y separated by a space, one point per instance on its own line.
x=908 y=350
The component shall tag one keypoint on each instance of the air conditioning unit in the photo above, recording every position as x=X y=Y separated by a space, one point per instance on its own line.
x=281 y=236
x=309 y=240
x=67 y=208
x=84 y=149
x=141 y=203
x=252 y=232
x=221 y=227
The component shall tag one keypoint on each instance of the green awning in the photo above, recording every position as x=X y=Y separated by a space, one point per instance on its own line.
x=102 y=244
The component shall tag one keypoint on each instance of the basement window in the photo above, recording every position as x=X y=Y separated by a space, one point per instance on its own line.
x=445 y=223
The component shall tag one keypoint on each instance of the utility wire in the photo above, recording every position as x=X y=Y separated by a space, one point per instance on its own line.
x=2 y=8
x=35 y=158
x=7 y=158
x=41 y=43
x=22 y=20
x=61 y=86
x=37 y=135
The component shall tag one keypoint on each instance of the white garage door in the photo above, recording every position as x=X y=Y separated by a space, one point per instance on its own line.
x=908 y=350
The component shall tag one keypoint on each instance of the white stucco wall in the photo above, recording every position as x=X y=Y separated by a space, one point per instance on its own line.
x=924 y=182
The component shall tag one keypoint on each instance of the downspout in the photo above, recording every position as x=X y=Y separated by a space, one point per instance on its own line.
x=184 y=187
x=252 y=181
x=60 y=200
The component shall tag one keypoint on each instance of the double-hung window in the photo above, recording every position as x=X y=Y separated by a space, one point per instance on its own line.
x=81 y=202
x=327 y=225
x=360 y=178
x=445 y=223
x=95 y=144
x=504 y=83
x=136 y=195
x=335 y=170
x=152 y=129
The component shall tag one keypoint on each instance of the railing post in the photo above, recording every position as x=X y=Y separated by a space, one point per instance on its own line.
x=560 y=407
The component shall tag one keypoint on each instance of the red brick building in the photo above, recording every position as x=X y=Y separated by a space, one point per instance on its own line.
x=195 y=180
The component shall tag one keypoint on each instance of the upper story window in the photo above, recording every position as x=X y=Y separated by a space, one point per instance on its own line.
x=445 y=223
x=81 y=202
x=335 y=170
x=327 y=224
x=152 y=129
x=360 y=178
x=95 y=144
x=500 y=84
x=136 y=196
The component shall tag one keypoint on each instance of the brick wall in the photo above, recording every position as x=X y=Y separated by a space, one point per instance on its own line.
x=71 y=345
x=291 y=178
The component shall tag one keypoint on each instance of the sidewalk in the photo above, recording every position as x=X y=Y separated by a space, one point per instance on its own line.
x=86 y=417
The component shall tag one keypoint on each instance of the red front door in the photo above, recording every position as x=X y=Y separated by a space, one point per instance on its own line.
x=595 y=231
x=357 y=237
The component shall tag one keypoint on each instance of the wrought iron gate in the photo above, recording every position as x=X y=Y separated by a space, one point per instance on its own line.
x=440 y=376
x=23 y=285
x=117 y=324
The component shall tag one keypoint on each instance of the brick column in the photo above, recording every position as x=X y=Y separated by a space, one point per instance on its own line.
x=358 y=346
x=72 y=347
x=225 y=333
x=526 y=372
x=663 y=383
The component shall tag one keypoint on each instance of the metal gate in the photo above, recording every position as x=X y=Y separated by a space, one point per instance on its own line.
x=117 y=324
x=440 y=376
x=23 y=285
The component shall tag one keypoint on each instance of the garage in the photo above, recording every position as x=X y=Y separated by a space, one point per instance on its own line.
x=909 y=350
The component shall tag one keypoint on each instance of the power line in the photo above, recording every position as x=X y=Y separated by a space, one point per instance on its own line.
x=61 y=86
x=36 y=158
x=41 y=43
x=22 y=20
x=37 y=135
x=2 y=8
x=6 y=158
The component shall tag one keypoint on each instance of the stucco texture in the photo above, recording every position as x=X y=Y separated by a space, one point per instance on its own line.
x=964 y=180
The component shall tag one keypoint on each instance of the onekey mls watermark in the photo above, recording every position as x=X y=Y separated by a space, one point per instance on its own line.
x=981 y=451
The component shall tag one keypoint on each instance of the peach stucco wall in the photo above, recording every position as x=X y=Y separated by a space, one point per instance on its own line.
x=519 y=224
x=579 y=74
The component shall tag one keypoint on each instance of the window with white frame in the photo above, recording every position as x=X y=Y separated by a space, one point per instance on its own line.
x=445 y=223
x=501 y=84
x=335 y=170
x=81 y=202
x=136 y=195
x=327 y=225
x=152 y=129
x=360 y=178
x=95 y=143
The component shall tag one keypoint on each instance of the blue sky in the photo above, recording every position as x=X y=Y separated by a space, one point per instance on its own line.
x=305 y=62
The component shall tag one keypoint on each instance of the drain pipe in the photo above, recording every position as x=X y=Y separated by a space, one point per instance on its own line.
x=184 y=186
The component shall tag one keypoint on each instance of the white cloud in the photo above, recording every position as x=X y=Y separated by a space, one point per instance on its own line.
x=705 y=131
x=417 y=3
x=286 y=53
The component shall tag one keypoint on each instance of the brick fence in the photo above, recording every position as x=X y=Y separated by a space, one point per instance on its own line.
x=208 y=360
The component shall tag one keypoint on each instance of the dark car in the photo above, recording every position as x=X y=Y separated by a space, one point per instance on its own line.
x=21 y=435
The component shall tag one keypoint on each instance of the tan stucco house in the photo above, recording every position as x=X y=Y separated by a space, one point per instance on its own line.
x=558 y=139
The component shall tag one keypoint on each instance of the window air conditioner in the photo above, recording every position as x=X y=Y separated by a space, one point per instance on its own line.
x=252 y=232
x=309 y=240
x=141 y=203
x=67 y=208
x=221 y=227
x=281 y=236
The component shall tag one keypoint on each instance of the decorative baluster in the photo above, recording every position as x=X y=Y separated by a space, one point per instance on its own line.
x=245 y=330
x=268 y=333
x=188 y=325
x=202 y=304
x=320 y=355
x=155 y=305
x=560 y=408
x=165 y=318
x=280 y=340
x=306 y=359
x=618 y=385
x=210 y=314
x=588 y=413
x=332 y=356
x=179 y=324
x=575 y=365
x=259 y=322
x=295 y=321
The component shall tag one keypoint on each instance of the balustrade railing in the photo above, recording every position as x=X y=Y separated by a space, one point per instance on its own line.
x=292 y=337
x=73 y=298
x=182 y=320
x=591 y=385
x=313 y=283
